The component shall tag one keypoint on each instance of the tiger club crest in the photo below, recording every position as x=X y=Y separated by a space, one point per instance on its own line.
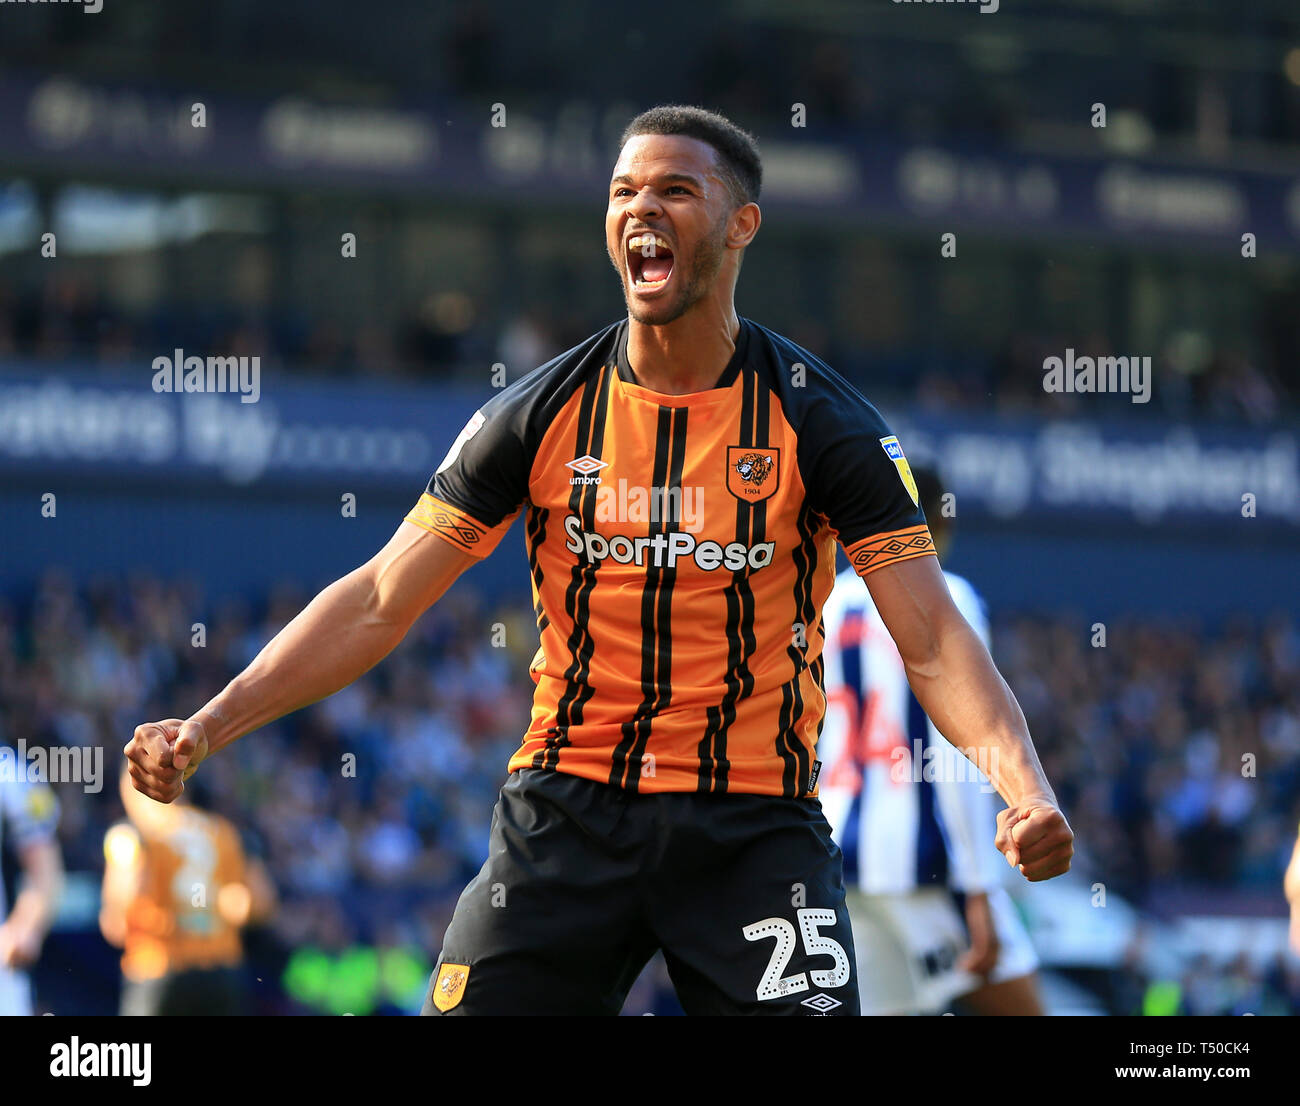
x=753 y=474
x=449 y=988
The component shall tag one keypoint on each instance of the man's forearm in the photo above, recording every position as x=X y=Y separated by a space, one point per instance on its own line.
x=344 y=632
x=966 y=697
x=335 y=639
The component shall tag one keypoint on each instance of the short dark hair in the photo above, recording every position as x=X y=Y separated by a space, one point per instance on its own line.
x=738 y=157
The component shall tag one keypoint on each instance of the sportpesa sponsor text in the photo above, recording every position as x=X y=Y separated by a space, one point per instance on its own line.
x=663 y=550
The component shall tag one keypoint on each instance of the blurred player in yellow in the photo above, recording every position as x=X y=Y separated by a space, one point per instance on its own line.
x=177 y=891
x=29 y=813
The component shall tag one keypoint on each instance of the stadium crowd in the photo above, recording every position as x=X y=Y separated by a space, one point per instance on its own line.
x=447 y=335
x=1175 y=750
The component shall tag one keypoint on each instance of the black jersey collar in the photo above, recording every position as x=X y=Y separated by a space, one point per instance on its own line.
x=727 y=378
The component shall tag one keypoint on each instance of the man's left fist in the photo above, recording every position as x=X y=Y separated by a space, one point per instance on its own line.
x=1035 y=838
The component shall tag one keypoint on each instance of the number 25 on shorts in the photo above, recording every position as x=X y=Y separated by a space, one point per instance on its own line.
x=773 y=985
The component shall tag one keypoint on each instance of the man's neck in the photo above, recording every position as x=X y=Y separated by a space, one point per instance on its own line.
x=687 y=355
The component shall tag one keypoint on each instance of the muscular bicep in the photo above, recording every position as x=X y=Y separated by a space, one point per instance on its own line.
x=412 y=572
x=916 y=607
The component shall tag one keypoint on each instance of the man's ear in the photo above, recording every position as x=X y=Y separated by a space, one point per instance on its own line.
x=743 y=225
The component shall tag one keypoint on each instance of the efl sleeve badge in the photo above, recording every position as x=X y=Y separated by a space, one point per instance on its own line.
x=894 y=452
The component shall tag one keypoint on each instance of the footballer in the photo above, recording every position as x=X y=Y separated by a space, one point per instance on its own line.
x=664 y=794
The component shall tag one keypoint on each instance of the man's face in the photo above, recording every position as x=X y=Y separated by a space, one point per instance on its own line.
x=666 y=225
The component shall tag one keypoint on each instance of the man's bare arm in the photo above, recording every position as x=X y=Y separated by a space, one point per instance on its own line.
x=340 y=635
x=959 y=687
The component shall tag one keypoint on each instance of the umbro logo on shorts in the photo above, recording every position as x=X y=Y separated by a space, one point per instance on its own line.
x=821 y=1004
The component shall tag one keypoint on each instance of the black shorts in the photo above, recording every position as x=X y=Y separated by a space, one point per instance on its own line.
x=584 y=882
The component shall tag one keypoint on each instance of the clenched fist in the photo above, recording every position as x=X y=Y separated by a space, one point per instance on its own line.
x=165 y=754
x=1035 y=838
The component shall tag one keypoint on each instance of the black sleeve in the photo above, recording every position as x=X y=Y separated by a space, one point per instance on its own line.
x=482 y=481
x=854 y=468
x=485 y=472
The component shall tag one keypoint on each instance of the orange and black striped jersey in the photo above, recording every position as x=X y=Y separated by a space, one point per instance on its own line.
x=681 y=548
x=172 y=922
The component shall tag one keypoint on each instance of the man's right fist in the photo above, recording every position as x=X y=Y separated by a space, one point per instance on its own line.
x=163 y=755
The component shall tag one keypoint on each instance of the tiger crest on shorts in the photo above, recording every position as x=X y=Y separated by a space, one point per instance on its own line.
x=753 y=474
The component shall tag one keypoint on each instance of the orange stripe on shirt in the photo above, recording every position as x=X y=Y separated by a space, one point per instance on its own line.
x=464 y=532
x=880 y=550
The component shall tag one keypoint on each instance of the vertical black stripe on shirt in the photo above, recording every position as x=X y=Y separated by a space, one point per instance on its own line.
x=754 y=535
x=794 y=752
x=714 y=765
x=819 y=665
x=582 y=579
x=636 y=730
x=582 y=609
x=664 y=600
x=757 y=534
x=537 y=517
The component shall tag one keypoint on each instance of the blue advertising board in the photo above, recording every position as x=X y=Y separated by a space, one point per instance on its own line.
x=238 y=492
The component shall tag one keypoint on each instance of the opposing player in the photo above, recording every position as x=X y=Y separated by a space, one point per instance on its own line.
x=685 y=474
x=931 y=919
x=29 y=812
x=177 y=891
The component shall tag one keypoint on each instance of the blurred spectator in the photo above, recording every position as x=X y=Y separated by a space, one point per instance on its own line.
x=1176 y=750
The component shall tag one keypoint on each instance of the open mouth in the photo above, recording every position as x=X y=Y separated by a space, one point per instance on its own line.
x=649 y=262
